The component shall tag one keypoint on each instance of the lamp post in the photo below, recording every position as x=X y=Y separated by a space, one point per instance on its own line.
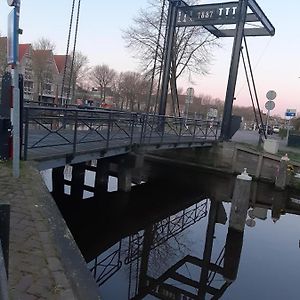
x=13 y=61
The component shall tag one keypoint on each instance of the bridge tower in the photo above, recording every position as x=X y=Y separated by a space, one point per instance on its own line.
x=232 y=19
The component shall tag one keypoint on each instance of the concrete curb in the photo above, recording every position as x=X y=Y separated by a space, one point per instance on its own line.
x=81 y=280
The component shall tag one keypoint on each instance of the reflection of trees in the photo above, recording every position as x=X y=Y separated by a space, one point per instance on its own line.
x=149 y=254
x=175 y=283
x=160 y=242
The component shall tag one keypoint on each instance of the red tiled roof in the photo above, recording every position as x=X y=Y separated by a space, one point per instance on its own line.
x=23 y=49
x=43 y=53
x=60 y=62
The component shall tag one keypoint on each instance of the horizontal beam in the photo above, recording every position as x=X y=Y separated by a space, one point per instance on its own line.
x=247 y=32
x=211 y=15
x=262 y=17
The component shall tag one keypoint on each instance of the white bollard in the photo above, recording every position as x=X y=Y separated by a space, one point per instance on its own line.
x=240 y=201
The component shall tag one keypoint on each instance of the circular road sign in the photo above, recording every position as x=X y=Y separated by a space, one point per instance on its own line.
x=270 y=105
x=271 y=95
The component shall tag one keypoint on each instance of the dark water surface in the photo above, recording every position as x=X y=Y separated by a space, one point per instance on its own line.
x=164 y=241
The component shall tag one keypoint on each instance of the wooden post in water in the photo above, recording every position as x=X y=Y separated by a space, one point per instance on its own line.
x=58 y=181
x=240 y=201
x=281 y=178
x=77 y=183
x=101 y=179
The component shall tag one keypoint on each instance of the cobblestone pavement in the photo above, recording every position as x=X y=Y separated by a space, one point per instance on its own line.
x=36 y=269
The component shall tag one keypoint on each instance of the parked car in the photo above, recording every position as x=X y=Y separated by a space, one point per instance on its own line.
x=275 y=129
x=261 y=129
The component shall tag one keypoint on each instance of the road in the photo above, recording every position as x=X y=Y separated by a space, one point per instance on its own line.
x=252 y=137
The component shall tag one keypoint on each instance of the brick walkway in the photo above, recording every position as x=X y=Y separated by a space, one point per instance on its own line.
x=37 y=265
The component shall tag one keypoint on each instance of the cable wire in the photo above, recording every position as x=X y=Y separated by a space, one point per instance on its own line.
x=74 y=48
x=156 y=56
x=254 y=86
x=249 y=87
x=67 y=51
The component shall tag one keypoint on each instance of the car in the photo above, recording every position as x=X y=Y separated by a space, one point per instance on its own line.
x=275 y=129
x=261 y=129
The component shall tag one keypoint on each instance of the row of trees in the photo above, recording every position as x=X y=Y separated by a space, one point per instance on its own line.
x=192 y=53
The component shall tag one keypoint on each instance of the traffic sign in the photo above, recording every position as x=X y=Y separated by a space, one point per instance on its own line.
x=189 y=95
x=290 y=113
x=270 y=105
x=271 y=95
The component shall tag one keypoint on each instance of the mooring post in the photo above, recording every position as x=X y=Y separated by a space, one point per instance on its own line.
x=77 y=183
x=232 y=255
x=101 y=179
x=240 y=201
x=278 y=205
x=58 y=181
x=281 y=178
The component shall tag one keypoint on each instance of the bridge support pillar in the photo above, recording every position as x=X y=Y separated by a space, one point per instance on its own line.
x=138 y=168
x=124 y=178
x=77 y=183
x=240 y=201
x=101 y=180
x=58 y=181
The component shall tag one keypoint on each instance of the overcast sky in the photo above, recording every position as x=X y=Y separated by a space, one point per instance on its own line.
x=275 y=60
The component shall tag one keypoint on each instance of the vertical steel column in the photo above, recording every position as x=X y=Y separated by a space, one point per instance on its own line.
x=235 y=59
x=171 y=25
x=208 y=248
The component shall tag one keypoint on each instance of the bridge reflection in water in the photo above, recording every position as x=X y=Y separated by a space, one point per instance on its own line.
x=164 y=242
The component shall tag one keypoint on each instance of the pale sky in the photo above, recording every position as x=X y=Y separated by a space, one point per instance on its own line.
x=275 y=60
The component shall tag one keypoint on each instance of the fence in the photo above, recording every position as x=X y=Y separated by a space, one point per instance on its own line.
x=80 y=129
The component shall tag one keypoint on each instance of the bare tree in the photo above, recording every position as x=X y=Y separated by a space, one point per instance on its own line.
x=103 y=77
x=79 y=73
x=44 y=44
x=132 y=91
x=191 y=51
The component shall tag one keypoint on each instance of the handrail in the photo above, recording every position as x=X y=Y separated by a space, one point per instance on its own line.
x=108 y=128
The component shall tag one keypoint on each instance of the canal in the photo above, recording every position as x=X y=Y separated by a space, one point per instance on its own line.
x=166 y=240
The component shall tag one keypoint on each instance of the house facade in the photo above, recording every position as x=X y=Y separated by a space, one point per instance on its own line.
x=42 y=73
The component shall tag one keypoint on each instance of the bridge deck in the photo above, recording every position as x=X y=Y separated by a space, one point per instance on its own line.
x=56 y=137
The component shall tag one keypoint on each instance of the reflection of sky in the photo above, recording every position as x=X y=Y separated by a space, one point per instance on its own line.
x=270 y=260
x=269 y=265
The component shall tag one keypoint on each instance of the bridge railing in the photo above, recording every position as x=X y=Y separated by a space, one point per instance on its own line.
x=76 y=130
